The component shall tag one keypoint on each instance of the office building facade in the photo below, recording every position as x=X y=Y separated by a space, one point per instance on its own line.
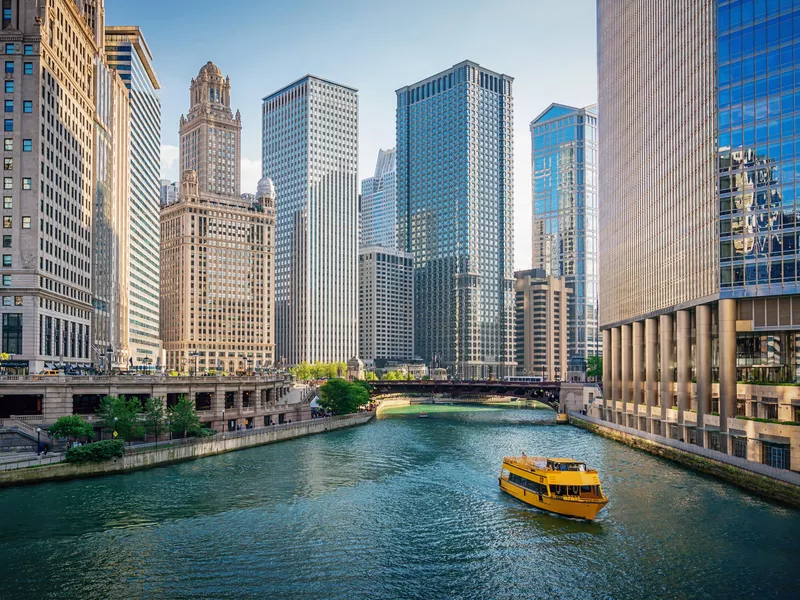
x=378 y=206
x=50 y=53
x=217 y=246
x=564 y=153
x=128 y=54
x=310 y=150
x=455 y=214
x=385 y=305
x=541 y=343
x=170 y=191
x=699 y=302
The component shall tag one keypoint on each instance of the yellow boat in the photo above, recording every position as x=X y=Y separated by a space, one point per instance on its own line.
x=560 y=485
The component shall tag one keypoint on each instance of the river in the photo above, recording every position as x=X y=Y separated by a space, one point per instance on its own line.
x=400 y=508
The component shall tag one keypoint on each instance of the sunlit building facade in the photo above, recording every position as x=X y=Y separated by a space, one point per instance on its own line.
x=310 y=150
x=699 y=301
x=564 y=149
x=455 y=214
x=378 y=206
x=128 y=54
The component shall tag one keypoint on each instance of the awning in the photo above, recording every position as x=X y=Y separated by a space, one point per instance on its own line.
x=768 y=401
x=774 y=439
x=737 y=433
x=711 y=427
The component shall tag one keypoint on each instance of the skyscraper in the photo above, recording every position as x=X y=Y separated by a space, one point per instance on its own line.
x=50 y=51
x=217 y=245
x=455 y=213
x=564 y=151
x=378 y=210
x=127 y=53
x=310 y=150
x=698 y=221
x=170 y=192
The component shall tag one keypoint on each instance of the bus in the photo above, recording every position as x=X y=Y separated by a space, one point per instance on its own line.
x=524 y=379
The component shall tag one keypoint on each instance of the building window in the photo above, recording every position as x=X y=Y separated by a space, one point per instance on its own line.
x=12 y=333
x=775 y=455
x=7 y=241
x=7 y=203
x=9 y=66
x=27 y=106
x=9 y=106
x=26 y=183
x=740 y=447
x=9 y=86
x=6 y=16
x=8 y=164
x=28 y=69
x=17 y=300
x=27 y=49
x=27 y=145
x=9 y=48
x=26 y=222
x=8 y=183
x=8 y=145
x=6 y=260
x=7 y=301
x=6 y=222
x=6 y=280
x=9 y=125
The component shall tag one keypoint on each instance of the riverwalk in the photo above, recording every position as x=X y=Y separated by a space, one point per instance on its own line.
x=141 y=456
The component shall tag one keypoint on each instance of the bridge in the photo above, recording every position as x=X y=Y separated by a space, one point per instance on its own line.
x=546 y=392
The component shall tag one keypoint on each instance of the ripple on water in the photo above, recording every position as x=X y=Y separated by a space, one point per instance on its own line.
x=401 y=508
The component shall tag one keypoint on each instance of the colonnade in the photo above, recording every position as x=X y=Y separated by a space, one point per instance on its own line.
x=649 y=363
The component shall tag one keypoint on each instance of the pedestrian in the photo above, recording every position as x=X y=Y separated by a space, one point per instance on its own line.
x=46 y=448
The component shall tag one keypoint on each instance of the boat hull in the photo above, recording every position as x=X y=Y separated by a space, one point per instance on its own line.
x=569 y=508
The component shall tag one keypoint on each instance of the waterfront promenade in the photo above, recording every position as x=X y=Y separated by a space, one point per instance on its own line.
x=140 y=456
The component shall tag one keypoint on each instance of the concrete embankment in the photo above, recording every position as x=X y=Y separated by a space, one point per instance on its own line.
x=771 y=483
x=140 y=458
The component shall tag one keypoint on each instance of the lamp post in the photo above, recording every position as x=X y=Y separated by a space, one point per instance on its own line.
x=169 y=426
x=223 y=421
x=38 y=443
x=115 y=427
x=194 y=353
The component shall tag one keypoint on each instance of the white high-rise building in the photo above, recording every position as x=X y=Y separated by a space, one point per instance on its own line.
x=378 y=210
x=310 y=151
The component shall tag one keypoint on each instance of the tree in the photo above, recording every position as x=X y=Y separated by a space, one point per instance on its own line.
x=594 y=367
x=72 y=427
x=370 y=376
x=127 y=412
x=302 y=371
x=155 y=420
x=183 y=417
x=393 y=376
x=342 y=397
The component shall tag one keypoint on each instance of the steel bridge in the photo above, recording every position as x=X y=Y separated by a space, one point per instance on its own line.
x=546 y=392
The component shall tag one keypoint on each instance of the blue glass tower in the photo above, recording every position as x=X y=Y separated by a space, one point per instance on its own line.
x=454 y=211
x=564 y=149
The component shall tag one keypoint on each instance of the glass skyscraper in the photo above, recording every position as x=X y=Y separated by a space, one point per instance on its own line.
x=128 y=54
x=310 y=151
x=700 y=138
x=564 y=150
x=455 y=213
x=378 y=208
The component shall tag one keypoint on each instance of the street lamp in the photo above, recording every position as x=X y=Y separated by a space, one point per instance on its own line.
x=223 y=421
x=169 y=426
x=38 y=443
x=115 y=427
x=194 y=353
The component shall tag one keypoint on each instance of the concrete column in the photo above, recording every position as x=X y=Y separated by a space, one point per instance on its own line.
x=703 y=362
x=616 y=365
x=665 y=333
x=684 y=362
x=638 y=367
x=651 y=366
x=627 y=374
x=606 y=366
x=727 y=367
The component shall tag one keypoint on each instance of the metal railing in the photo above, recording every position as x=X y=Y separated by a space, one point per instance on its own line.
x=31 y=462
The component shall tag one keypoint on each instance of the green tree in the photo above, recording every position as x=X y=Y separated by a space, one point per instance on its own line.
x=594 y=367
x=127 y=413
x=155 y=419
x=342 y=397
x=72 y=427
x=183 y=417
x=393 y=376
x=302 y=371
x=370 y=376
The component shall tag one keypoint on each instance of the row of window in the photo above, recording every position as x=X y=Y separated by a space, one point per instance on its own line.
x=27 y=68
x=26 y=48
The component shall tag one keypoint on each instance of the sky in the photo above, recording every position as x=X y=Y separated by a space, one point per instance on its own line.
x=377 y=47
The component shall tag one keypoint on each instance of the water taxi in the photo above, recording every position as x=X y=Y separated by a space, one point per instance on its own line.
x=422 y=416
x=560 y=485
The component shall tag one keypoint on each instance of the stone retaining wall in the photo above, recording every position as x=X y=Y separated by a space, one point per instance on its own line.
x=767 y=481
x=175 y=453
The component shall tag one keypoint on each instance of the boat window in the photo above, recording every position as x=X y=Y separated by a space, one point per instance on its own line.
x=534 y=486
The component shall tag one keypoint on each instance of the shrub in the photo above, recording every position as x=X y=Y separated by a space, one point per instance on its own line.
x=96 y=452
x=202 y=432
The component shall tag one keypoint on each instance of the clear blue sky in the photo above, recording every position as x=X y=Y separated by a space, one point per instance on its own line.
x=548 y=47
